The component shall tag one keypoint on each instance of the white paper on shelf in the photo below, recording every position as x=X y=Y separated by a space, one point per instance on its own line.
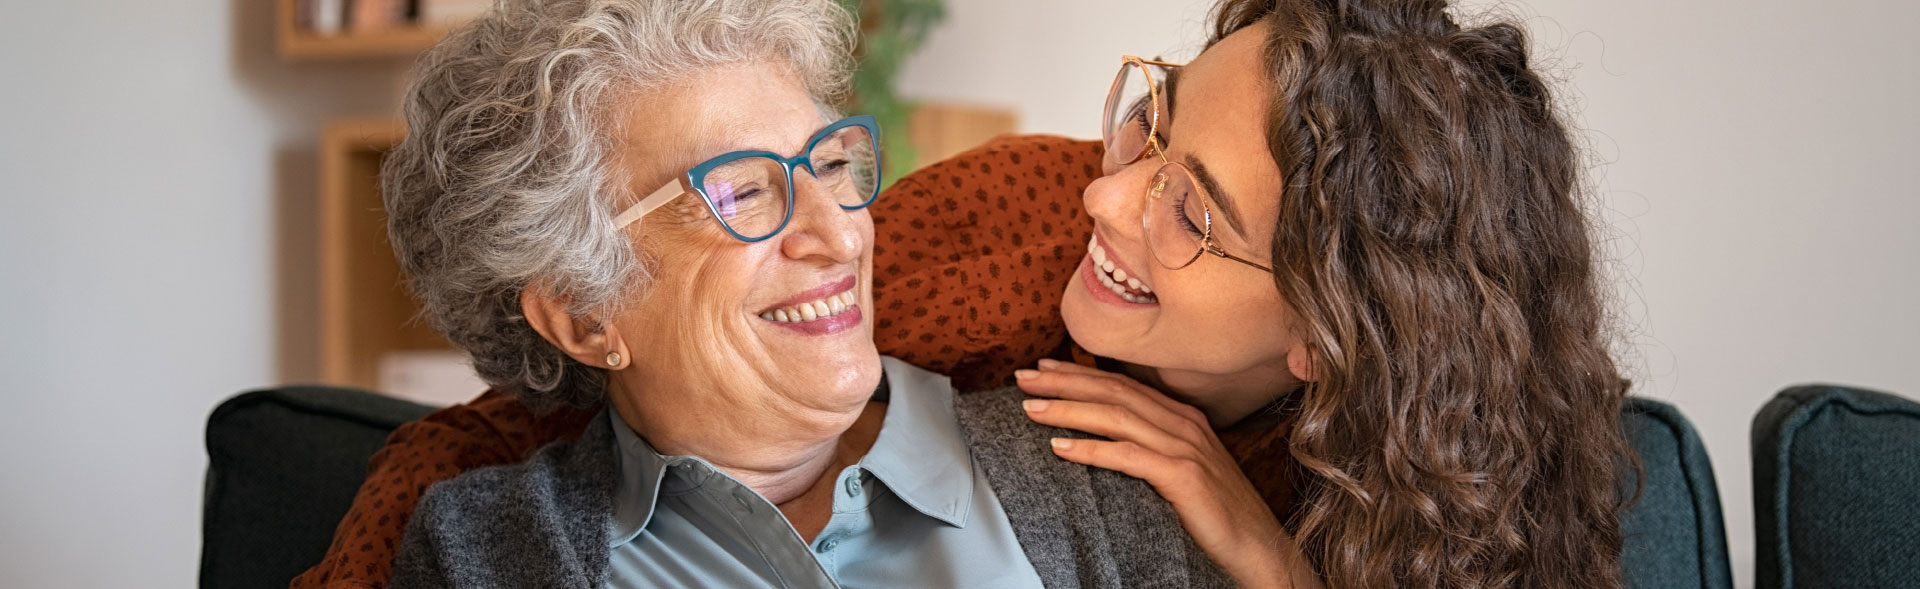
x=328 y=17
x=431 y=377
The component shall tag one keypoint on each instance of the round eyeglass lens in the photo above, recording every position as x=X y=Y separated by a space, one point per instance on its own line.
x=1130 y=114
x=847 y=163
x=1175 y=219
x=748 y=194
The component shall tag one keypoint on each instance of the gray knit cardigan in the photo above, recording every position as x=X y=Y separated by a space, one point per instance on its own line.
x=546 y=522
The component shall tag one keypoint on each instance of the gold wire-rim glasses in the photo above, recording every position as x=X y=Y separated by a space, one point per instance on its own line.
x=1151 y=143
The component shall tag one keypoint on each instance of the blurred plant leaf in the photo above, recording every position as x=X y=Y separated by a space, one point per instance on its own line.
x=890 y=32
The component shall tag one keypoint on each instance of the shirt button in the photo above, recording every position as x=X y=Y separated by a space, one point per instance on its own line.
x=828 y=545
x=853 y=487
x=746 y=502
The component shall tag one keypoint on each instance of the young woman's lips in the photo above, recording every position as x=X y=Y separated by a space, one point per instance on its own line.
x=1090 y=280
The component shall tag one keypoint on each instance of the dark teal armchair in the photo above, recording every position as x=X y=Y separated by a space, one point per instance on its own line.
x=1674 y=534
x=1836 y=490
x=283 y=466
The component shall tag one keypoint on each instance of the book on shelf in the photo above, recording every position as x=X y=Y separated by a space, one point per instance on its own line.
x=372 y=16
x=327 y=18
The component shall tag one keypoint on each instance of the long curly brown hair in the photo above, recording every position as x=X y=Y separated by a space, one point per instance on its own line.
x=1464 y=428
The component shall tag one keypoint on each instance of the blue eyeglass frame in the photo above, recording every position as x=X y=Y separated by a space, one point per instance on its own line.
x=695 y=178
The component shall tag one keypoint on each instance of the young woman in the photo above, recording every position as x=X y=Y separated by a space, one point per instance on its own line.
x=1394 y=260
x=1359 y=322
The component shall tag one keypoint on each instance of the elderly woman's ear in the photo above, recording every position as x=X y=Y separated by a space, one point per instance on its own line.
x=588 y=340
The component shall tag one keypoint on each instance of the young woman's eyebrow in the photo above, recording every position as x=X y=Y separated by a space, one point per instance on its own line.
x=1220 y=197
x=1207 y=181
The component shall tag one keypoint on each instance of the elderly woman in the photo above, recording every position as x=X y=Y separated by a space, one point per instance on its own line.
x=640 y=202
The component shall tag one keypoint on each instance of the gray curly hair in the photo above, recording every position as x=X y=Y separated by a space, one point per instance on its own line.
x=506 y=178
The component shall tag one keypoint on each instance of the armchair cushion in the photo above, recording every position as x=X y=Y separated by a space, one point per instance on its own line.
x=1836 y=489
x=1673 y=534
x=283 y=465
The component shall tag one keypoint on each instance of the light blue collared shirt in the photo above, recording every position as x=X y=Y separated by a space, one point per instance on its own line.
x=915 y=512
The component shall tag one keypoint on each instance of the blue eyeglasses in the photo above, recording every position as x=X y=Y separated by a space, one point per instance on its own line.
x=750 y=193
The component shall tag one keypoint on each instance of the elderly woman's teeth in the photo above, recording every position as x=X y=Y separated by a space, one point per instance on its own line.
x=1130 y=288
x=809 y=311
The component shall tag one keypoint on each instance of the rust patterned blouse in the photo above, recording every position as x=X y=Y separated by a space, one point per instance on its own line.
x=971 y=256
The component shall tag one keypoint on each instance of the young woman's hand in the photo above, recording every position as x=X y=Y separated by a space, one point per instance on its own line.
x=1170 y=445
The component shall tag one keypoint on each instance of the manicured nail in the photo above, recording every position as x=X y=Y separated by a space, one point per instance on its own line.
x=1049 y=363
x=1023 y=374
x=1062 y=444
x=1035 y=405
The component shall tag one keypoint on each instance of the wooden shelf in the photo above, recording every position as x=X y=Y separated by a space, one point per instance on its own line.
x=365 y=309
x=404 y=42
x=939 y=131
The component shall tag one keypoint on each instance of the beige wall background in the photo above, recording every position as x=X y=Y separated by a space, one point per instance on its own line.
x=157 y=175
x=156 y=172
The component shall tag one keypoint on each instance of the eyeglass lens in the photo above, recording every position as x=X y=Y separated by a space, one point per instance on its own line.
x=1176 y=217
x=1132 y=112
x=751 y=194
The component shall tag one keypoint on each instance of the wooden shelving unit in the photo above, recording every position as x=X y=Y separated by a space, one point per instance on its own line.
x=365 y=309
x=940 y=131
x=302 y=46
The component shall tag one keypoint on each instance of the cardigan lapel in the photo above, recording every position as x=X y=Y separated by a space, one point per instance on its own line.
x=583 y=485
x=1042 y=495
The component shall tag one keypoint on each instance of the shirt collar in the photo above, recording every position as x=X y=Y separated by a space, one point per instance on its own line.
x=642 y=470
x=920 y=455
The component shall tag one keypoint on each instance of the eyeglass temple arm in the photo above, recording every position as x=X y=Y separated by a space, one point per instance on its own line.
x=646 y=205
x=1154 y=61
x=1211 y=249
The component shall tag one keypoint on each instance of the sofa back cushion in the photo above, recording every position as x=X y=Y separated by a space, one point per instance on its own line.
x=282 y=468
x=1673 y=535
x=1836 y=489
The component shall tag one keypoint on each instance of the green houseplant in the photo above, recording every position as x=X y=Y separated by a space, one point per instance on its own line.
x=890 y=31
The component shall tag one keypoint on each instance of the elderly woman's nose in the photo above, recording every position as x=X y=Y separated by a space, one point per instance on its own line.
x=820 y=227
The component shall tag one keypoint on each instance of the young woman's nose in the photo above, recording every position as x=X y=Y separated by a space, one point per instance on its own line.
x=1117 y=200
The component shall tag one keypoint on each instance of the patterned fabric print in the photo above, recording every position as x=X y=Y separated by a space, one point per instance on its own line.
x=971 y=257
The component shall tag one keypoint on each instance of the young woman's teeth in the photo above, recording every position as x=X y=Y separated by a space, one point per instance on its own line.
x=820 y=309
x=1130 y=289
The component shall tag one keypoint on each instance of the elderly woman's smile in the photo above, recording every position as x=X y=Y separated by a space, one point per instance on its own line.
x=829 y=308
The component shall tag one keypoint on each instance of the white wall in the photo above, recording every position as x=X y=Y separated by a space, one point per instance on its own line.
x=1755 y=163
x=143 y=155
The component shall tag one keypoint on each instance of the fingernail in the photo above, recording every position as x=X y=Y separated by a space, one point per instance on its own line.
x=1023 y=374
x=1035 y=405
x=1062 y=444
x=1049 y=363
